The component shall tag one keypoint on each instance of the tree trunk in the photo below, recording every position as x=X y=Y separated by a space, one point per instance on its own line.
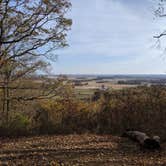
x=3 y=104
x=143 y=139
x=7 y=104
x=6 y=101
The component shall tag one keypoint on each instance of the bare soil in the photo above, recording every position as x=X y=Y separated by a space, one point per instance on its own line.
x=78 y=150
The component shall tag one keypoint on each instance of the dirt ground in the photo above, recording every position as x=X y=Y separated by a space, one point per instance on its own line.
x=77 y=150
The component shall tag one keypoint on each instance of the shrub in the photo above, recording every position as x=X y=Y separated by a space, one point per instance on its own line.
x=19 y=125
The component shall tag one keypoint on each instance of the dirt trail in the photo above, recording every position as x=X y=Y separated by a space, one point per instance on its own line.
x=77 y=150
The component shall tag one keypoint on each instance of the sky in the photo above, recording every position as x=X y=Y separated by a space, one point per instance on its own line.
x=112 y=37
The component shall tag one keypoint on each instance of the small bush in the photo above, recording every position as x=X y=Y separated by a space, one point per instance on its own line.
x=17 y=126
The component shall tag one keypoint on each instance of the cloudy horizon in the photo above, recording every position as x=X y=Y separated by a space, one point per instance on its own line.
x=112 y=37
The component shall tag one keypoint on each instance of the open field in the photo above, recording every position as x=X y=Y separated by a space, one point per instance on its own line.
x=109 y=85
x=78 y=150
x=86 y=91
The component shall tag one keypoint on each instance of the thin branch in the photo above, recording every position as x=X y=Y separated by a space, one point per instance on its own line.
x=159 y=36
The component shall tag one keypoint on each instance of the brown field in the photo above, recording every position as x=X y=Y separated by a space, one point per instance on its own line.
x=86 y=91
x=78 y=150
x=109 y=85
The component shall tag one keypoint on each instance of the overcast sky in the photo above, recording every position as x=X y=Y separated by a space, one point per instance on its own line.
x=112 y=37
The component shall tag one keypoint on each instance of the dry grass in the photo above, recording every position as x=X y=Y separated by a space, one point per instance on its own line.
x=112 y=85
x=86 y=91
x=77 y=150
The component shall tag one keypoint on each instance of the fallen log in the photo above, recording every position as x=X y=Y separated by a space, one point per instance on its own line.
x=143 y=139
x=157 y=138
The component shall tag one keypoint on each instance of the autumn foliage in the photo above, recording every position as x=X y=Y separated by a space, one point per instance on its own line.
x=141 y=108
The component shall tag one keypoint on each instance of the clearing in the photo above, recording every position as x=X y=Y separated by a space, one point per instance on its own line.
x=77 y=150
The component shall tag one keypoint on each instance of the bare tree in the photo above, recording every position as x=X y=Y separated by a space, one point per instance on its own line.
x=161 y=12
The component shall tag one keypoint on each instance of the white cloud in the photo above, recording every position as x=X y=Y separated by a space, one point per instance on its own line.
x=111 y=29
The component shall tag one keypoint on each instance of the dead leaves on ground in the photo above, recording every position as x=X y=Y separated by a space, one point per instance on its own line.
x=77 y=150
